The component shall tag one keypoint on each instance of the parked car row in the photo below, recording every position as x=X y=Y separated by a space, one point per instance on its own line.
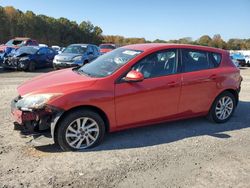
x=26 y=54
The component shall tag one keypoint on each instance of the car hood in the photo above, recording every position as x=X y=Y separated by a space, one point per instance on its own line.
x=17 y=54
x=61 y=81
x=66 y=56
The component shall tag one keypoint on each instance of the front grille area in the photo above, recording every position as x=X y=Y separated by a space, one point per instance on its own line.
x=11 y=62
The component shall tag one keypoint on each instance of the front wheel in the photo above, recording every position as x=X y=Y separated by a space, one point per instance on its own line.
x=222 y=108
x=31 y=67
x=79 y=130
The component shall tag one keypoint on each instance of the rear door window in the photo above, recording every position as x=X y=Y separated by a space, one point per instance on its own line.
x=43 y=51
x=29 y=43
x=90 y=50
x=194 y=60
x=95 y=50
x=50 y=51
x=34 y=43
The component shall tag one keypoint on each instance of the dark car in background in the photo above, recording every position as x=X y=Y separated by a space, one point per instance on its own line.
x=104 y=48
x=30 y=58
x=15 y=43
x=76 y=55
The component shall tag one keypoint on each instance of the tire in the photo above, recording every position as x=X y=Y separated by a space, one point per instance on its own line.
x=248 y=63
x=71 y=136
x=216 y=112
x=31 y=67
x=54 y=67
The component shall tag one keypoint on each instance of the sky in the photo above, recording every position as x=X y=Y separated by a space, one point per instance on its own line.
x=151 y=19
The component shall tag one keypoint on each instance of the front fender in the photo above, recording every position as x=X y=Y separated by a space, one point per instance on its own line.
x=101 y=99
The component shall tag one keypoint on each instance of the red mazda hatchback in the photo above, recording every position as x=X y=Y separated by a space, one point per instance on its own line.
x=132 y=86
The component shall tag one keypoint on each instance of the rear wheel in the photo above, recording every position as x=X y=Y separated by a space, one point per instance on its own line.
x=222 y=108
x=80 y=130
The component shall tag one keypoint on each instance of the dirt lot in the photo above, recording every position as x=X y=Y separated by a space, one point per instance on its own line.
x=190 y=153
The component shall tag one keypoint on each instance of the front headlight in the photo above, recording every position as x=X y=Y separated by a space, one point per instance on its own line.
x=36 y=101
x=24 y=58
x=77 y=58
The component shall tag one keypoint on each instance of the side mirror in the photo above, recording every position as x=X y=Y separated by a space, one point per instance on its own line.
x=134 y=76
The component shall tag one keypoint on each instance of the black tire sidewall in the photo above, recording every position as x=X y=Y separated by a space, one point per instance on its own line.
x=212 y=113
x=63 y=125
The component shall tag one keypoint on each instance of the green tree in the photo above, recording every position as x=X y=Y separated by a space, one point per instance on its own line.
x=204 y=40
x=48 y=30
x=218 y=42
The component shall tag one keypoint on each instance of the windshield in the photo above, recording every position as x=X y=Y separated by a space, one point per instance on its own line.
x=75 y=49
x=107 y=47
x=27 y=50
x=14 y=42
x=108 y=63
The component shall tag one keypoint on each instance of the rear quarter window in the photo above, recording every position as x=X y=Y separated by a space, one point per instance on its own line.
x=215 y=59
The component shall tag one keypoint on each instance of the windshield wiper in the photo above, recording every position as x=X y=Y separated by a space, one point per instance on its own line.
x=79 y=71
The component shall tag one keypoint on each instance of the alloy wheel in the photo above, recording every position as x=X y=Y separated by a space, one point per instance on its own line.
x=82 y=133
x=224 y=108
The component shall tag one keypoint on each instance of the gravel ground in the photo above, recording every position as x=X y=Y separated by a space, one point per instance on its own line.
x=189 y=153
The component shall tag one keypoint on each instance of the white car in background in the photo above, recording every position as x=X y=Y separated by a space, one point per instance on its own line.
x=43 y=45
x=56 y=48
x=247 y=58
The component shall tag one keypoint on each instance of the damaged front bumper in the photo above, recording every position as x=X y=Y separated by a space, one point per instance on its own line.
x=14 y=63
x=35 y=122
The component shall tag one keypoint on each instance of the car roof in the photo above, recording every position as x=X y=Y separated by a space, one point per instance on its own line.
x=82 y=45
x=22 y=38
x=152 y=46
x=108 y=44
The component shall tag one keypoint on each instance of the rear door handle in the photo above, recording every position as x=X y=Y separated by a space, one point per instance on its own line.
x=213 y=77
x=172 y=84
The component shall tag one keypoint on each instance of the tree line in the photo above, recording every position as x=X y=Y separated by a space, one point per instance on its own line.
x=205 y=40
x=62 y=32
x=45 y=29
